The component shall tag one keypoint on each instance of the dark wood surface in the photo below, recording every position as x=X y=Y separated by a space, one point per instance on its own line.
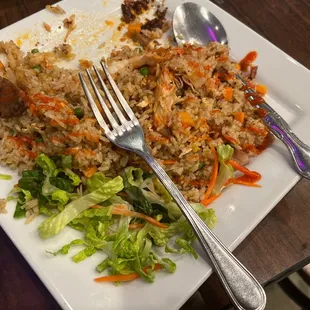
x=281 y=242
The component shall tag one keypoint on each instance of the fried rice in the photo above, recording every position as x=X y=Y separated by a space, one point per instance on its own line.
x=187 y=100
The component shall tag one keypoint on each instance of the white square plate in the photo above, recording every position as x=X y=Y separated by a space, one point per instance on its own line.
x=239 y=209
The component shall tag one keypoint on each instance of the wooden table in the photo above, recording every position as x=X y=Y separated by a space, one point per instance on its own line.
x=281 y=242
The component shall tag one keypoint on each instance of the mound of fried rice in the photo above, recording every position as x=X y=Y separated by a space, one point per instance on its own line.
x=187 y=102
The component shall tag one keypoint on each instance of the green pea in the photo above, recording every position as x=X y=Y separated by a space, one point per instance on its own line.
x=79 y=113
x=144 y=71
x=38 y=68
x=35 y=51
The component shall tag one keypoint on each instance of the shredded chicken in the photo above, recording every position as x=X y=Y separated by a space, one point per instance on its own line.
x=55 y=9
x=70 y=24
x=165 y=98
x=241 y=157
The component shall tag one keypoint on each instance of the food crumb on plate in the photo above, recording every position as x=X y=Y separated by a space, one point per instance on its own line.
x=85 y=64
x=70 y=24
x=3 y=209
x=47 y=27
x=55 y=9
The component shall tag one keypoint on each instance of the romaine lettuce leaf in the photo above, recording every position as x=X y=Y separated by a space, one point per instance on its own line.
x=53 y=225
x=133 y=176
x=96 y=181
x=48 y=166
x=226 y=171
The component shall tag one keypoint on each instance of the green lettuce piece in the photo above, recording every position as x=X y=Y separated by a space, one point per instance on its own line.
x=138 y=200
x=133 y=176
x=226 y=171
x=66 y=161
x=65 y=249
x=76 y=180
x=184 y=247
x=96 y=181
x=161 y=190
x=5 y=177
x=19 y=212
x=61 y=197
x=48 y=166
x=48 y=189
x=54 y=224
x=181 y=227
x=83 y=254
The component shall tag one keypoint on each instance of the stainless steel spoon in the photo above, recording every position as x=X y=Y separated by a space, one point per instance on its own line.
x=193 y=23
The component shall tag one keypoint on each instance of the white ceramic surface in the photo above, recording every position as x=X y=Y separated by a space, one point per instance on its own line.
x=239 y=209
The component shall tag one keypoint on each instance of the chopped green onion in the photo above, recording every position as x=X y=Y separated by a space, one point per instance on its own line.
x=5 y=177
x=39 y=139
x=79 y=113
x=12 y=132
x=201 y=165
x=37 y=68
x=35 y=51
x=144 y=71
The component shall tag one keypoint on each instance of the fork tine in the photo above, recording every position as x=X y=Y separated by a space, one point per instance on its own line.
x=93 y=106
x=110 y=98
x=109 y=115
x=117 y=92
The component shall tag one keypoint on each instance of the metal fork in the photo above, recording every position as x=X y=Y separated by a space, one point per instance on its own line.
x=123 y=129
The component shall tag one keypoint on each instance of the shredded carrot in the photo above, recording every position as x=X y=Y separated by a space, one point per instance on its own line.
x=125 y=212
x=93 y=138
x=89 y=172
x=230 y=139
x=193 y=64
x=238 y=67
x=252 y=174
x=222 y=58
x=228 y=93
x=186 y=119
x=169 y=162
x=157 y=139
x=199 y=183
x=250 y=147
x=136 y=226
x=96 y=207
x=1 y=65
x=213 y=177
x=208 y=201
x=241 y=182
x=259 y=131
x=239 y=116
x=215 y=111
x=261 y=89
x=125 y=277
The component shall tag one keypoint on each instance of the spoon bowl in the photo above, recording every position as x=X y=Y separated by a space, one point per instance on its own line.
x=202 y=29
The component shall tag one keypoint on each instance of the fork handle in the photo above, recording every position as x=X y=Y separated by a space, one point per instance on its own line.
x=243 y=289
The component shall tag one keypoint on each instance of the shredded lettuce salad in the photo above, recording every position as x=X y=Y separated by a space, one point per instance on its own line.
x=125 y=217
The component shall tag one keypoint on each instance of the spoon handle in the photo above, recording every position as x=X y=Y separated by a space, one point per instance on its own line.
x=280 y=128
x=241 y=286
